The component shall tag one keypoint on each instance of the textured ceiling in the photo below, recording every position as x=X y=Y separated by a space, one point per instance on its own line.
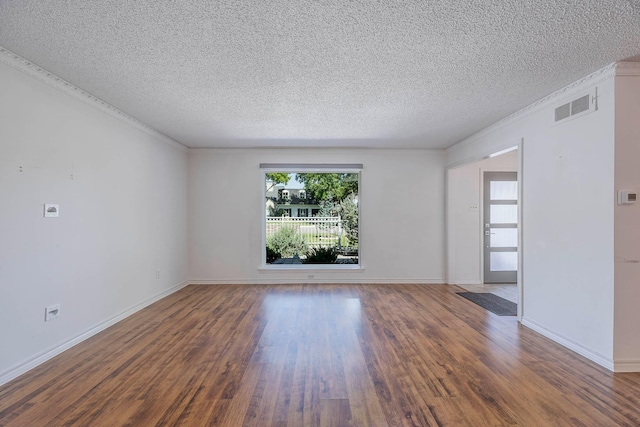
x=231 y=73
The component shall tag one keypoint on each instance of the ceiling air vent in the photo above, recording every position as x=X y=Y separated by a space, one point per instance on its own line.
x=578 y=106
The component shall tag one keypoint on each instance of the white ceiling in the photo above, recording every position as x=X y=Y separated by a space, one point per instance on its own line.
x=386 y=73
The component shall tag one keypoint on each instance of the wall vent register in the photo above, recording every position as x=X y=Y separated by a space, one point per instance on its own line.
x=577 y=107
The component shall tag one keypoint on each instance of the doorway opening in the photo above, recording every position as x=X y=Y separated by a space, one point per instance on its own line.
x=484 y=225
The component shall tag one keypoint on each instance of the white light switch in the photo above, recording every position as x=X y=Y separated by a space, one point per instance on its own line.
x=51 y=211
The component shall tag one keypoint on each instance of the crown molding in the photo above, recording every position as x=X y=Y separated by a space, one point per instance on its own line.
x=574 y=88
x=21 y=64
x=628 y=69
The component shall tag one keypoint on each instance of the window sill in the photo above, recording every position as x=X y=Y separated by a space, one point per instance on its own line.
x=311 y=267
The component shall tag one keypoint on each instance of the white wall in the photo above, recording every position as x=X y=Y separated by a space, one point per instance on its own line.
x=464 y=188
x=123 y=210
x=402 y=215
x=567 y=172
x=627 y=226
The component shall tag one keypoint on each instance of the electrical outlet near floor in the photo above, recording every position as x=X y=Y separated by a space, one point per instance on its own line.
x=51 y=312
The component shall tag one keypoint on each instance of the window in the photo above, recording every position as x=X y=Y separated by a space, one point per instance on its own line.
x=327 y=237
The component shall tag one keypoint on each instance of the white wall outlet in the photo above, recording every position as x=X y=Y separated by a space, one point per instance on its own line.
x=157 y=274
x=51 y=312
x=473 y=207
x=311 y=276
x=51 y=211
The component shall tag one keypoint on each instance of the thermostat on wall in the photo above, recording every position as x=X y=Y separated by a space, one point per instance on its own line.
x=627 y=197
x=51 y=211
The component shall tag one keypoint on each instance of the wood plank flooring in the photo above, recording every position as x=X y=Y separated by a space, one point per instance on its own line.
x=319 y=355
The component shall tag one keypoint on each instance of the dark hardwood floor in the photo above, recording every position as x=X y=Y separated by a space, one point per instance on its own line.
x=329 y=355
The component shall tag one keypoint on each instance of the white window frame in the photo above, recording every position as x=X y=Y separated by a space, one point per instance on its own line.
x=308 y=167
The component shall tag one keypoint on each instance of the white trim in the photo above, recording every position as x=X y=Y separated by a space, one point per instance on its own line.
x=628 y=69
x=311 y=267
x=312 y=167
x=19 y=63
x=521 y=237
x=449 y=234
x=626 y=366
x=40 y=358
x=583 y=351
x=263 y=216
x=333 y=281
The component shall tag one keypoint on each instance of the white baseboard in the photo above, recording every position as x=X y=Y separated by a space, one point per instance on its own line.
x=288 y=281
x=626 y=366
x=583 y=351
x=38 y=359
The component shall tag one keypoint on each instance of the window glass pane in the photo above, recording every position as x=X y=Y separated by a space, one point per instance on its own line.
x=504 y=190
x=311 y=217
x=503 y=214
x=504 y=261
x=504 y=237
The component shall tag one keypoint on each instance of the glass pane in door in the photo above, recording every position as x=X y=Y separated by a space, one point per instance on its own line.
x=504 y=237
x=503 y=214
x=504 y=190
x=504 y=261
